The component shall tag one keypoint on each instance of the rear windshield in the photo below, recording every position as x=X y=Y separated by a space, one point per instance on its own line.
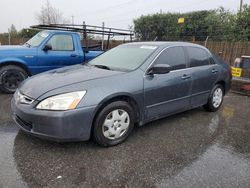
x=124 y=58
x=246 y=63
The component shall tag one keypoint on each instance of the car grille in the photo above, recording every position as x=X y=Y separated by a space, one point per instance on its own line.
x=24 y=124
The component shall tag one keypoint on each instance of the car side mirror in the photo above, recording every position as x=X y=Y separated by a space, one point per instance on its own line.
x=159 y=69
x=47 y=47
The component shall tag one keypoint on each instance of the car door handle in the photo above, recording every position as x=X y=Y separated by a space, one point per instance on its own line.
x=73 y=55
x=185 y=77
x=214 y=71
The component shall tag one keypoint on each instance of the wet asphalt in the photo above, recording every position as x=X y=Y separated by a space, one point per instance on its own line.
x=191 y=149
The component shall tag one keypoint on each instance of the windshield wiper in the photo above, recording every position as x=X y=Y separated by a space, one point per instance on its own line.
x=27 y=44
x=102 y=67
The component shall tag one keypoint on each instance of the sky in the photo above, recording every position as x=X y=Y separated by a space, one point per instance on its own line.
x=115 y=13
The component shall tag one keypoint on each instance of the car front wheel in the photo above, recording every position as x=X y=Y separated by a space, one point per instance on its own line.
x=114 y=123
x=10 y=77
x=215 y=98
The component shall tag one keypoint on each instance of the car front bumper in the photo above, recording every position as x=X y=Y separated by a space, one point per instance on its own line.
x=60 y=126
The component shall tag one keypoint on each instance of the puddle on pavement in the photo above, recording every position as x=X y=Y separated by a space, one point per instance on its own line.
x=194 y=148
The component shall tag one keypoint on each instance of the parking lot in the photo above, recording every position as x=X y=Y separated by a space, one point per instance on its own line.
x=191 y=149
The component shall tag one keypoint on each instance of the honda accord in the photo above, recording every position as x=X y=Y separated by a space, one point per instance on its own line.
x=129 y=85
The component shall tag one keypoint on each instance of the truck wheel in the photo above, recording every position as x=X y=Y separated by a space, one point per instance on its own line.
x=215 y=98
x=10 y=78
x=114 y=124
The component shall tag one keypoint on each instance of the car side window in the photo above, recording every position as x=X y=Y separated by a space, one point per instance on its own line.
x=61 y=43
x=212 y=61
x=197 y=56
x=174 y=57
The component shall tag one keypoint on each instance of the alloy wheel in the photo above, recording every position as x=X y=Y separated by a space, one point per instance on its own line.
x=217 y=97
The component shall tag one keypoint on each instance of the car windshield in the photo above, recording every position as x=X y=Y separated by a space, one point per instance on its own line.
x=38 y=38
x=123 y=58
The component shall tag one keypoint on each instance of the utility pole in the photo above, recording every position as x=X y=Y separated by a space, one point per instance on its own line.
x=9 y=36
x=103 y=24
x=241 y=4
x=72 y=19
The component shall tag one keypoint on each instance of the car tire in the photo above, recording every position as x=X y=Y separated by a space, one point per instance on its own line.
x=113 y=124
x=215 y=98
x=10 y=77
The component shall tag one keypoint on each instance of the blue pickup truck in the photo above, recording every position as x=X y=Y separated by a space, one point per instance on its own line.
x=45 y=51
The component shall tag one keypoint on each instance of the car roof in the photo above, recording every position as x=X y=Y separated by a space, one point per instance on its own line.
x=58 y=31
x=164 y=44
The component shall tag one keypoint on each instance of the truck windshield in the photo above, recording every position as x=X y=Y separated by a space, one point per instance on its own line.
x=38 y=38
x=123 y=58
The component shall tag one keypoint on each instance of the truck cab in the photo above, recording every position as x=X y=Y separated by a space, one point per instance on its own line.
x=49 y=49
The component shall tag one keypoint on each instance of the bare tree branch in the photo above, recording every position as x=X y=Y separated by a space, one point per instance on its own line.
x=50 y=15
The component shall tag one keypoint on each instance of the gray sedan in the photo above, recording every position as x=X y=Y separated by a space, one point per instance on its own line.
x=129 y=85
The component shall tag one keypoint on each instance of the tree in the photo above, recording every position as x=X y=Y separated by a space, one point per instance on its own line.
x=195 y=26
x=28 y=32
x=243 y=23
x=219 y=24
x=157 y=27
x=13 y=30
x=165 y=26
x=50 y=15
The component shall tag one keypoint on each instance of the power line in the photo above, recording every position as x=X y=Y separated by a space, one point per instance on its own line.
x=110 y=7
x=149 y=5
x=193 y=4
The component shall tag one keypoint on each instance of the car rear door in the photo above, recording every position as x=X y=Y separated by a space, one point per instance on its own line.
x=168 y=93
x=204 y=74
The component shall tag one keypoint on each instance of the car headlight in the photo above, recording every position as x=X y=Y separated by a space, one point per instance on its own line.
x=67 y=101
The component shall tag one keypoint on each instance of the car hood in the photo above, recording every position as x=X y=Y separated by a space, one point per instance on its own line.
x=14 y=50
x=11 y=47
x=40 y=84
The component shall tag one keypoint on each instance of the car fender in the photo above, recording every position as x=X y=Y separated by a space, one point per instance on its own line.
x=15 y=61
x=121 y=96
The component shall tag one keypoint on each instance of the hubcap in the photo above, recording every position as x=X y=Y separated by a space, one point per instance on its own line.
x=217 y=97
x=116 y=124
x=11 y=79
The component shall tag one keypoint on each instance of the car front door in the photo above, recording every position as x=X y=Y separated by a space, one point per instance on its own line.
x=168 y=93
x=204 y=74
x=62 y=53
